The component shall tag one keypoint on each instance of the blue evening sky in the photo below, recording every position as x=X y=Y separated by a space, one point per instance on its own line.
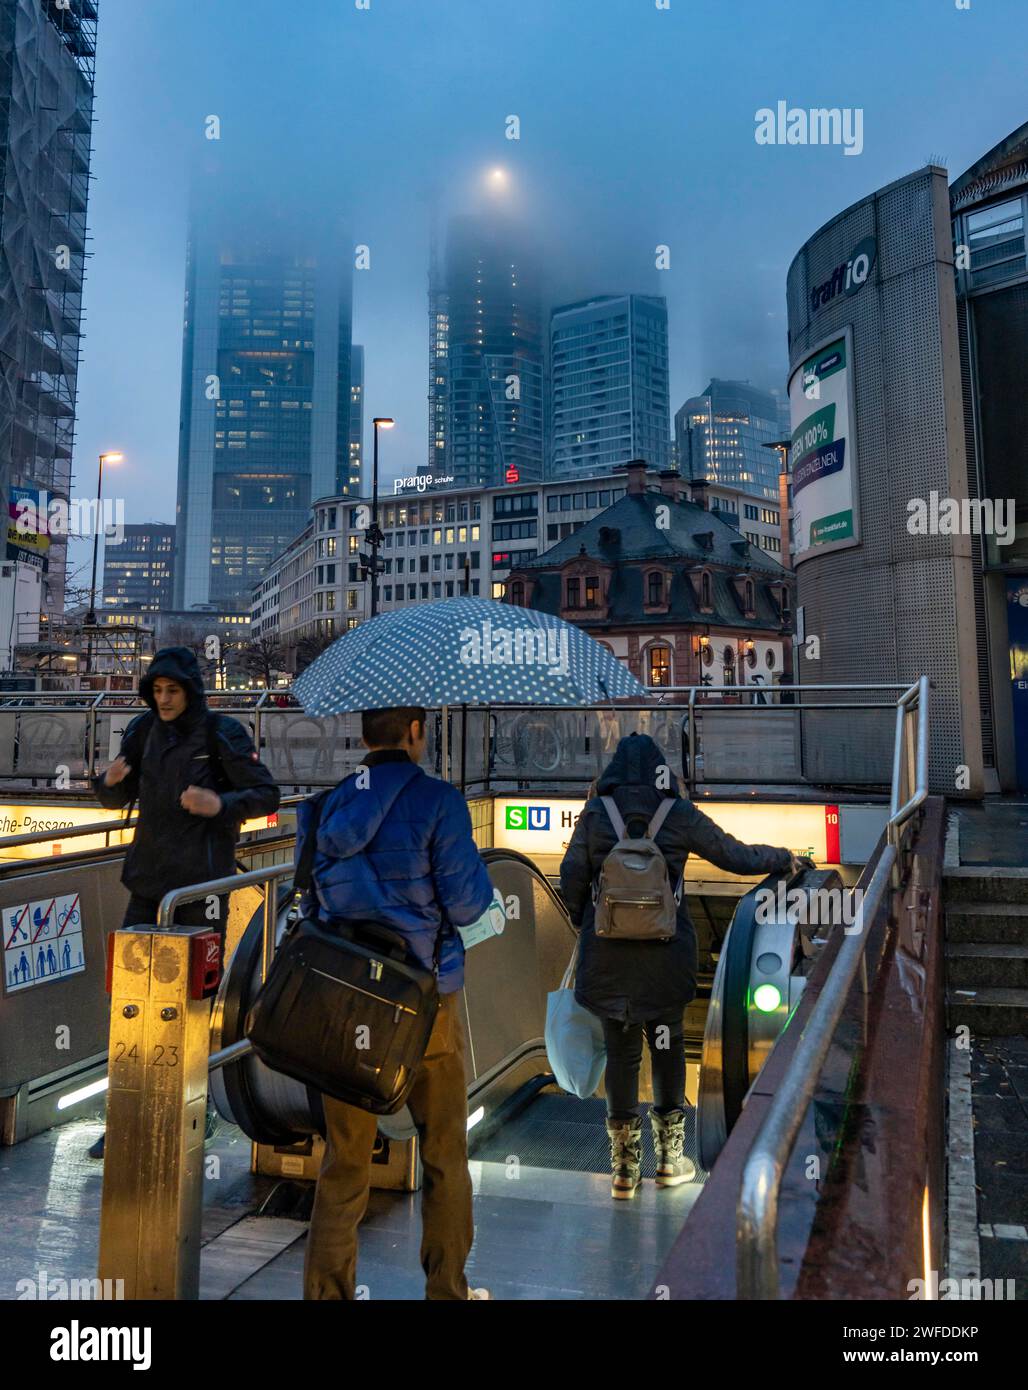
x=637 y=129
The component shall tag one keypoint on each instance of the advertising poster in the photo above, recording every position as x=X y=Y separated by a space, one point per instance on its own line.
x=31 y=541
x=823 y=464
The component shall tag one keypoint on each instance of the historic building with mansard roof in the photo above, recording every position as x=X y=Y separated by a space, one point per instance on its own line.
x=668 y=587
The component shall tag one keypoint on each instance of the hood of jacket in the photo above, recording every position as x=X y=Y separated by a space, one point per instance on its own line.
x=355 y=813
x=176 y=664
x=636 y=762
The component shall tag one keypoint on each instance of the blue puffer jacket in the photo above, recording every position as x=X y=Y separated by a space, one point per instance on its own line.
x=399 y=851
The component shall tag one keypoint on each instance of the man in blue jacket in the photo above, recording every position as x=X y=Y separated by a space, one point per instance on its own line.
x=394 y=846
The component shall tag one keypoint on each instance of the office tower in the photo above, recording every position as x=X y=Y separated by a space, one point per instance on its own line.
x=609 y=385
x=139 y=570
x=266 y=401
x=46 y=109
x=486 y=357
x=356 y=425
x=719 y=436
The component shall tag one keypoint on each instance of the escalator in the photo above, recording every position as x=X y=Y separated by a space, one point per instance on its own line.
x=751 y=974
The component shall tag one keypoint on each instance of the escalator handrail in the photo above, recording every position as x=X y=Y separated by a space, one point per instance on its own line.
x=494 y=855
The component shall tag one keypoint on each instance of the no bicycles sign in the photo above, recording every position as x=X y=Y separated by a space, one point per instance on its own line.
x=42 y=942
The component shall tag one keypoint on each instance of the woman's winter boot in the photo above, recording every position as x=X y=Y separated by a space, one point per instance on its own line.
x=625 y=1155
x=673 y=1166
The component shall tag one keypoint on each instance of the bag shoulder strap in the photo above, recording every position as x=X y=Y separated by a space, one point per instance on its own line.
x=660 y=815
x=610 y=806
x=305 y=864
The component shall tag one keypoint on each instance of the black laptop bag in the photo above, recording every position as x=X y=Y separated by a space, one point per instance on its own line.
x=345 y=1008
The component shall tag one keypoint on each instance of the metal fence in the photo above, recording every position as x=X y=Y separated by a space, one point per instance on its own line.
x=785 y=736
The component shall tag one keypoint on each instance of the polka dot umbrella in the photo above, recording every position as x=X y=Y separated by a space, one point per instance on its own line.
x=463 y=651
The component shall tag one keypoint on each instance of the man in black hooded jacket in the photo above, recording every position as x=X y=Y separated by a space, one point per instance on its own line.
x=196 y=777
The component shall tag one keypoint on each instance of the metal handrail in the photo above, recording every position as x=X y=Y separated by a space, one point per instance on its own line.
x=756 y=1229
x=757 y=1210
x=194 y=892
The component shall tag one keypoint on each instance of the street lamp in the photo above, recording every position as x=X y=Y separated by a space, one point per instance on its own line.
x=111 y=456
x=782 y=447
x=374 y=536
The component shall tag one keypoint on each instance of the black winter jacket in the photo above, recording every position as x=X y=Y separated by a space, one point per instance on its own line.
x=172 y=847
x=636 y=981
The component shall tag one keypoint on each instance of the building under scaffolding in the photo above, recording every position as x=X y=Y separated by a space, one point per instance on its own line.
x=47 y=52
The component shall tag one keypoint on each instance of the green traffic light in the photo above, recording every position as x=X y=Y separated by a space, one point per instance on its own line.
x=767 y=998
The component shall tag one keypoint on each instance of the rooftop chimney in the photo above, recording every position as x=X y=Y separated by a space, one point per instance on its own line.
x=671 y=482
x=636 y=470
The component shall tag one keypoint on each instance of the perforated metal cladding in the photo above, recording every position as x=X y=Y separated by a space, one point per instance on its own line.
x=886 y=609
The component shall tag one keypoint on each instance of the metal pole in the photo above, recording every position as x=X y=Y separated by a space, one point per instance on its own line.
x=91 y=611
x=373 y=536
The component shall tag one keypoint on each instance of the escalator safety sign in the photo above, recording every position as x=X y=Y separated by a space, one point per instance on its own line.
x=42 y=942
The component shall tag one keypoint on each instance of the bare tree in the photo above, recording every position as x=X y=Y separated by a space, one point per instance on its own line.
x=263 y=658
x=310 y=647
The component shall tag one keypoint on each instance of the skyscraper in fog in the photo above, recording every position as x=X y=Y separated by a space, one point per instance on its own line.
x=46 y=107
x=609 y=387
x=266 y=403
x=719 y=436
x=485 y=357
x=356 y=424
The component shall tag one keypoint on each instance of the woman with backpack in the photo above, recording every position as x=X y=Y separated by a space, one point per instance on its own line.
x=637 y=946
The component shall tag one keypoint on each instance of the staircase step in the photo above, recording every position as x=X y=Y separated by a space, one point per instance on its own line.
x=970 y=883
x=976 y=964
x=989 y=1012
x=985 y=922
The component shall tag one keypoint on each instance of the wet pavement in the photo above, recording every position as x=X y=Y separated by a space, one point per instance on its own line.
x=993 y=835
x=993 y=832
x=999 y=1095
x=540 y=1234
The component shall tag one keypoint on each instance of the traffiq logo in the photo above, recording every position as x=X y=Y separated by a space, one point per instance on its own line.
x=849 y=276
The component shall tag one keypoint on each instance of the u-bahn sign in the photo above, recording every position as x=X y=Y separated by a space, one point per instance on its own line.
x=822 y=461
x=544 y=826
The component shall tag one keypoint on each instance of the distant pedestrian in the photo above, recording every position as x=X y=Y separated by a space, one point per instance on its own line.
x=641 y=987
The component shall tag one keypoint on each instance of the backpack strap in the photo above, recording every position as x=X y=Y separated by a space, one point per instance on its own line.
x=144 y=727
x=213 y=756
x=660 y=815
x=610 y=806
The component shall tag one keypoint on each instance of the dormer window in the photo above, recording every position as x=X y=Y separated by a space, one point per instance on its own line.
x=749 y=596
x=655 y=588
x=573 y=597
x=706 y=599
x=592 y=591
x=517 y=593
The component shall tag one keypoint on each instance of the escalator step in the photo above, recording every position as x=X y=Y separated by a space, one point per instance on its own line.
x=561 y=1132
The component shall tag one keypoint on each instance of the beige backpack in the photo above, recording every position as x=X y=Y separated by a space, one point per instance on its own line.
x=632 y=895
